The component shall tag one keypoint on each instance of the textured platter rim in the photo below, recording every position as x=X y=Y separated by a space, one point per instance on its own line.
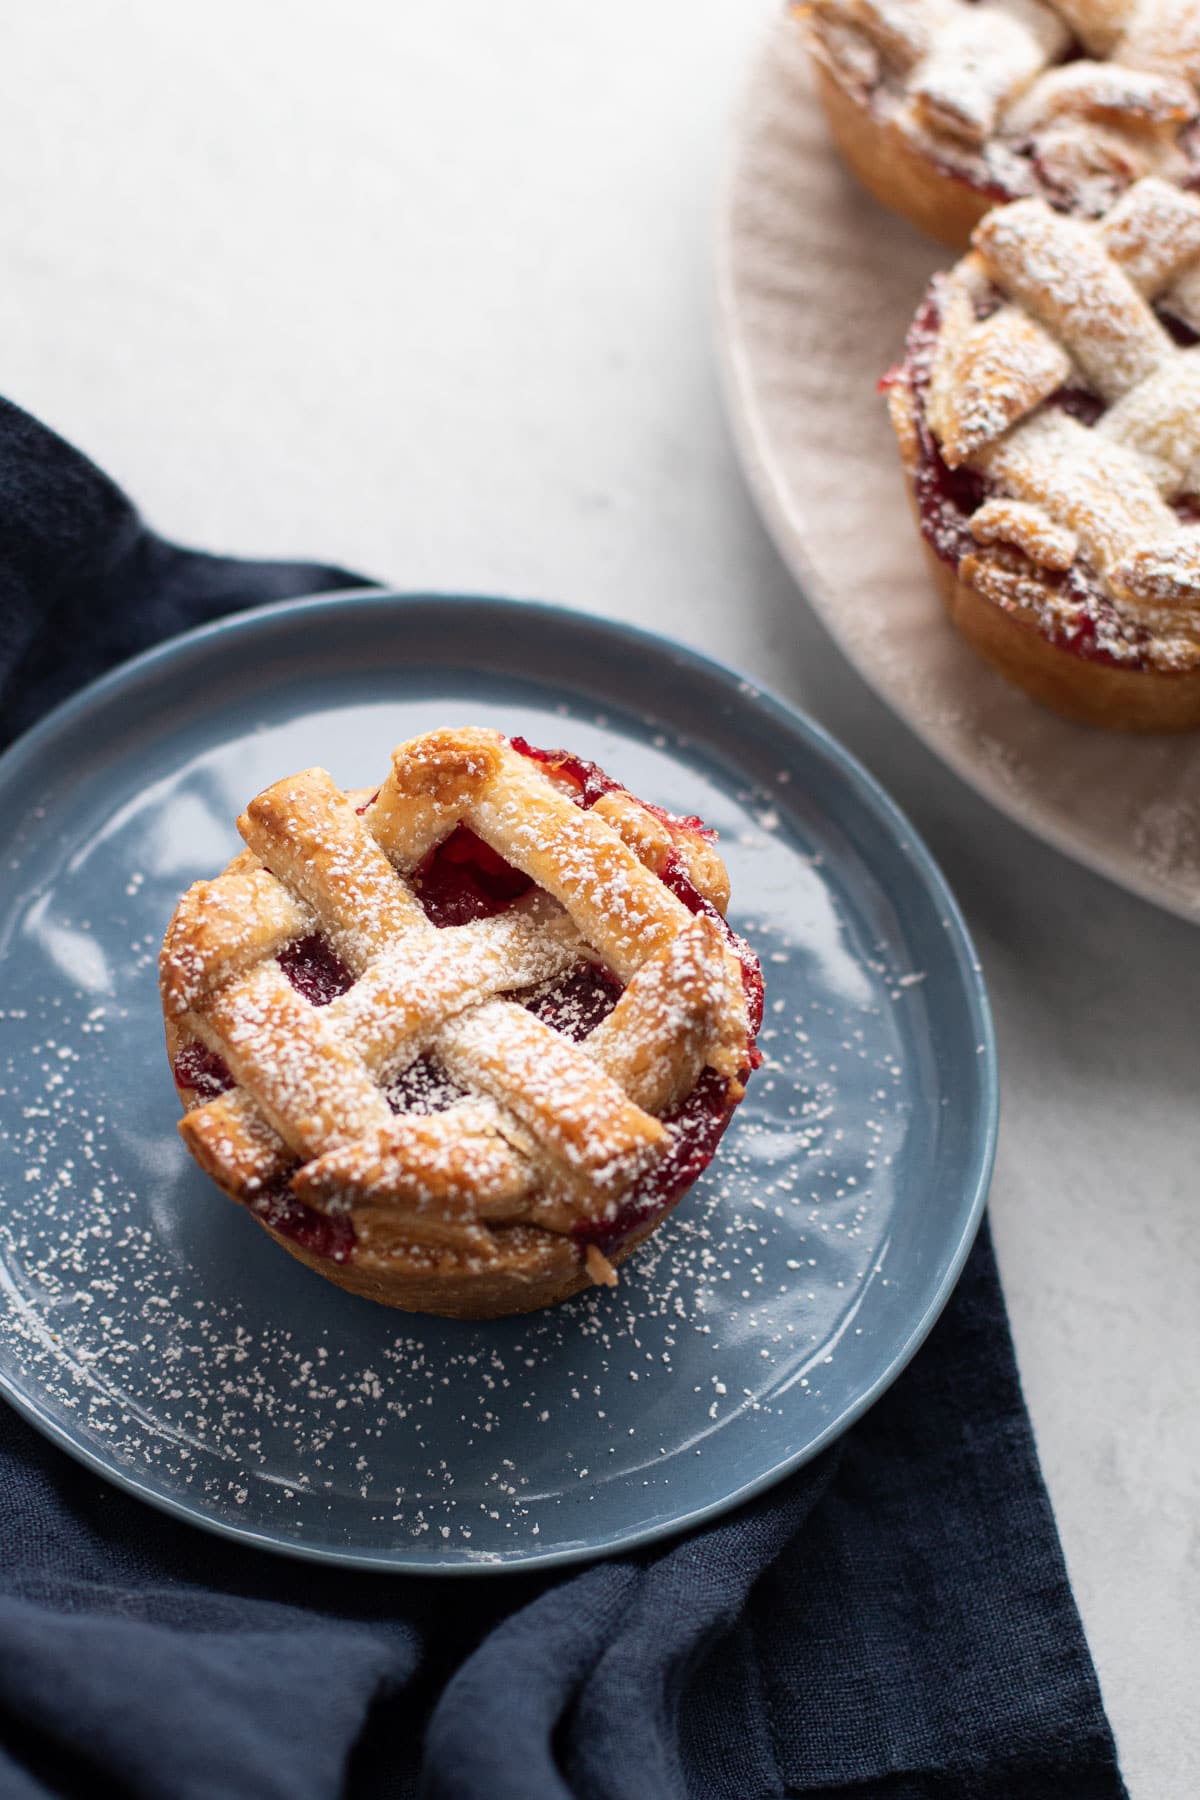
x=772 y=495
x=21 y=758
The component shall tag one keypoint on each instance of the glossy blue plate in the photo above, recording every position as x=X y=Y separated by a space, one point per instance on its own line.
x=150 y=1327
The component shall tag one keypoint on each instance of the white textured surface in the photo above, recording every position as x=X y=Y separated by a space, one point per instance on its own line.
x=428 y=293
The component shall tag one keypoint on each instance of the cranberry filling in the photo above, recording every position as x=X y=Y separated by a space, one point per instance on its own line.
x=315 y=969
x=678 y=821
x=592 y=784
x=672 y=876
x=202 y=1071
x=697 y=1127
x=579 y=1002
x=463 y=879
x=326 y=1234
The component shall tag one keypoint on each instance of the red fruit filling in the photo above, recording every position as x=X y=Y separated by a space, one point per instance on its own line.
x=314 y=970
x=1081 y=404
x=423 y=1087
x=697 y=1126
x=678 y=821
x=202 y=1071
x=463 y=879
x=1179 y=329
x=587 y=777
x=591 y=784
x=577 y=1003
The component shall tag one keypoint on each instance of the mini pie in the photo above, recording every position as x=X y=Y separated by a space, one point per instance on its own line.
x=460 y=1044
x=946 y=108
x=1048 y=416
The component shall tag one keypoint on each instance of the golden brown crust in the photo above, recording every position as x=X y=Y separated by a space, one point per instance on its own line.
x=898 y=174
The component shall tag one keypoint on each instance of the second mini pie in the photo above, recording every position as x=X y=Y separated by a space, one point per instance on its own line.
x=1048 y=417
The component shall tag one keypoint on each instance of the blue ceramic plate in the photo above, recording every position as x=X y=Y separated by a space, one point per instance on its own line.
x=150 y=1328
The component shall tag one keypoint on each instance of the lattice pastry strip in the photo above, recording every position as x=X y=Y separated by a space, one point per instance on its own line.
x=1099 y=24
x=1061 y=272
x=900 y=30
x=555 y=1129
x=991 y=370
x=315 y=845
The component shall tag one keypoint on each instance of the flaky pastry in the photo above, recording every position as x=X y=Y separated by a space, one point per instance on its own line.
x=461 y=1043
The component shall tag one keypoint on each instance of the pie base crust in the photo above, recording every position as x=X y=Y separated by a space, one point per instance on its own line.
x=519 y=1266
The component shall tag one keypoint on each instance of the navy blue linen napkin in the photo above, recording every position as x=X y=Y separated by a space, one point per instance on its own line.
x=892 y=1623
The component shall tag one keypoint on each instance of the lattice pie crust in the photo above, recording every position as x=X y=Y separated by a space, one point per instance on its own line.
x=553 y=1158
